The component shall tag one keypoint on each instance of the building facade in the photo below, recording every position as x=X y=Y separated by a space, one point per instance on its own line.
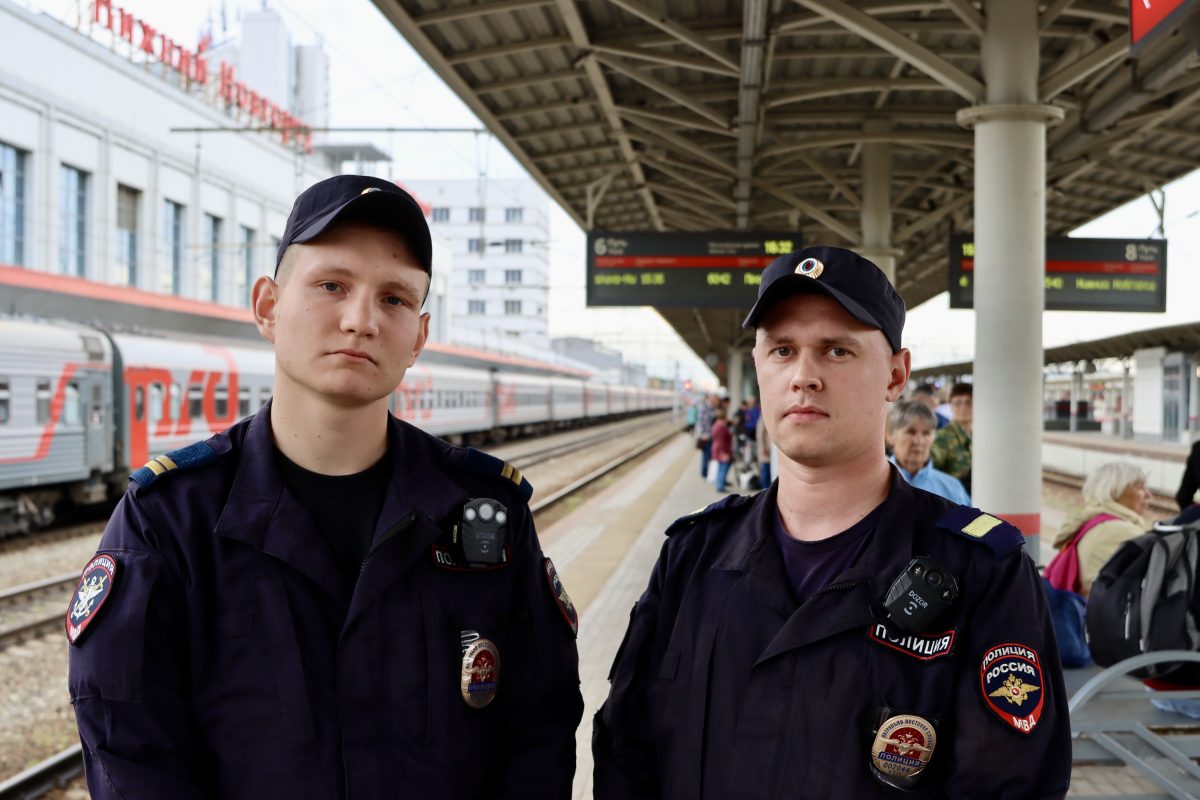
x=499 y=235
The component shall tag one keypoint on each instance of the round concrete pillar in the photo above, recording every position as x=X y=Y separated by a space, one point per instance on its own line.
x=1010 y=243
x=876 y=215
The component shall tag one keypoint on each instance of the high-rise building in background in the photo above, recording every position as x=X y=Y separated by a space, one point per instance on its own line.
x=499 y=232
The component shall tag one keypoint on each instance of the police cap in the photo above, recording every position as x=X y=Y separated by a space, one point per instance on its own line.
x=855 y=283
x=359 y=198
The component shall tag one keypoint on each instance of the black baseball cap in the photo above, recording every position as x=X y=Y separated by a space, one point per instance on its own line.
x=360 y=198
x=855 y=283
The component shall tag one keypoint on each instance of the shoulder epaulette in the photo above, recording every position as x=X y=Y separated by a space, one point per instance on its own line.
x=971 y=523
x=184 y=458
x=482 y=463
x=726 y=502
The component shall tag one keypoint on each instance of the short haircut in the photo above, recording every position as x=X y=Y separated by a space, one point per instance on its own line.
x=961 y=389
x=906 y=412
x=925 y=388
x=1108 y=481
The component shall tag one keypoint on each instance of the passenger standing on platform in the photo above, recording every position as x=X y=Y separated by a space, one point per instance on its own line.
x=704 y=425
x=952 y=445
x=1115 y=503
x=843 y=634
x=910 y=426
x=722 y=445
x=1186 y=495
x=926 y=395
x=762 y=447
x=324 y=601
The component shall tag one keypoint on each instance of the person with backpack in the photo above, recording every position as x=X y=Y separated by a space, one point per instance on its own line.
x=1115 y=501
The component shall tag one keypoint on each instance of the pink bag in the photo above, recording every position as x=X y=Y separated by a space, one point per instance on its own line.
x=1063 y=570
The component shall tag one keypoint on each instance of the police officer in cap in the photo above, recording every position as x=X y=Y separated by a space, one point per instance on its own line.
x=323 y=601
x=842 y=634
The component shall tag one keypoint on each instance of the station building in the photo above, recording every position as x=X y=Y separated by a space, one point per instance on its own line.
x=99 y=185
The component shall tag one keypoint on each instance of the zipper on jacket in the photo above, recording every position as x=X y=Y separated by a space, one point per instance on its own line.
x=388 y=534
x=833 y=587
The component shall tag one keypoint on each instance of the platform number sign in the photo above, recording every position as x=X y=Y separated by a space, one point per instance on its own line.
x=1081 y=274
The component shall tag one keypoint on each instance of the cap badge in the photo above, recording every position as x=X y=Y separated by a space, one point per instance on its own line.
x=810 y=267
x=94 y=588
x=902 y=748
x=369 y=189
x=480 y=671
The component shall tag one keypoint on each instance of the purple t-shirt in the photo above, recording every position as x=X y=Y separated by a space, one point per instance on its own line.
x=811 y=566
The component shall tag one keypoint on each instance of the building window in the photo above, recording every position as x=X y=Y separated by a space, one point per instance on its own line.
x=12 y=204
x=475 y=245
x=477 y=214
x=512 y=276
x=476 y=307
x=210 y=275
x=512 y=308
x=440 y=215
x=5 y=398
x=476 y=276
x=129 y=203
x=513 y=245
x=245 y=276
x=513 y=214
x=72 y=220
x=171 y=276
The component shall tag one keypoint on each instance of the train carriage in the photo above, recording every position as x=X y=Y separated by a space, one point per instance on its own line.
x=522 y=402
x=595 y=400
x=451 y=402
x=566 y=400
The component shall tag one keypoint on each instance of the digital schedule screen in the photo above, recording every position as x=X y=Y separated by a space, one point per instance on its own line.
x=1081 y=274
x=721 y=269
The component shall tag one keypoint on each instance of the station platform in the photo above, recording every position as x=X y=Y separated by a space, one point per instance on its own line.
x=605 y=549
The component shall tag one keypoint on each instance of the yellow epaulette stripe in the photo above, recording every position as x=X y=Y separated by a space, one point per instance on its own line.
x=161 y=464
x=516 y=476
x=980 y=526
x=167 y=462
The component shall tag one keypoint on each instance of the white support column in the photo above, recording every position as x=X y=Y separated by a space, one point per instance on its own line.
x=1076 y=395
x=1010 y=243
x=736 y=373
x=876 y=216
x=1126 y=403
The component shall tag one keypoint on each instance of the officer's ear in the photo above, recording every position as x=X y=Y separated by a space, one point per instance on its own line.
x=901 y=366
x=422 y=337
x=264 y=300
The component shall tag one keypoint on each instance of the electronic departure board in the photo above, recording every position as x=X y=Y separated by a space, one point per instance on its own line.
x=713 y=270
x=1081 y=274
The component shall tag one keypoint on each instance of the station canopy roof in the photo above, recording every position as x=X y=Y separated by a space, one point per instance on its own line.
x=692 y=115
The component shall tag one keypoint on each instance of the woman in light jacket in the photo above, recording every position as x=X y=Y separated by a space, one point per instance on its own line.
x=1117 y=491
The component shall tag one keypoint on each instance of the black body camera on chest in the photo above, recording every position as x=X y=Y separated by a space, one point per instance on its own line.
x=920 y=595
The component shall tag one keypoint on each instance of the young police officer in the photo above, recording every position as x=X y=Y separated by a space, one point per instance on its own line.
x=842 y=634
x=324 y=601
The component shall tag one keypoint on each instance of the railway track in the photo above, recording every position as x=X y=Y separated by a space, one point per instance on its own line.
x=65 y=766
x=1160 y=504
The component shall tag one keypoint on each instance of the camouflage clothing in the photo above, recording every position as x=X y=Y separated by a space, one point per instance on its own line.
x=952 y=452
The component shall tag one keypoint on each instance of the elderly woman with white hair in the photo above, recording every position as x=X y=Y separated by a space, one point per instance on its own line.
x=1115 y=500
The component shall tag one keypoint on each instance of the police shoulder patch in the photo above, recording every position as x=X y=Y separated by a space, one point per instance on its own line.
x=482 y=463
x=971 y=523
x=1011 y=685
x=561 y=598
x=94 y=588
x=184 y=458
x=725 y=503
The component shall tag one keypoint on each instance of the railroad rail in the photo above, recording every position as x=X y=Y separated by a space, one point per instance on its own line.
x=30 y=593
x=1160 y=503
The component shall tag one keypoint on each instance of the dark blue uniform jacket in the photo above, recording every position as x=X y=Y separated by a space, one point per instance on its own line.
x=725 y=687
x=234 y=660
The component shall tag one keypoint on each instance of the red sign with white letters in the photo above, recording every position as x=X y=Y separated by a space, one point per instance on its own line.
x=1151 y=18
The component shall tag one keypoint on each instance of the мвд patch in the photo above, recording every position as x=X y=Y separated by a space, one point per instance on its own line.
x=1010 y=683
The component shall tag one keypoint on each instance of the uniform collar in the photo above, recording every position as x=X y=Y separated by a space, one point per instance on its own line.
x=751 y=552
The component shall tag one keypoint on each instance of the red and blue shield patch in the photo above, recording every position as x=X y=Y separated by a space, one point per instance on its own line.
x=1011 y=683
x=94 y=588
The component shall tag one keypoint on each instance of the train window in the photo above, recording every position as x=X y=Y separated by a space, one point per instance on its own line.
x=43 y=401
x=72 y=413
x=243 y=401
x=5 y=396
x=195 y=401
x=156 y=401
x=221 y=402
x=139 y=402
